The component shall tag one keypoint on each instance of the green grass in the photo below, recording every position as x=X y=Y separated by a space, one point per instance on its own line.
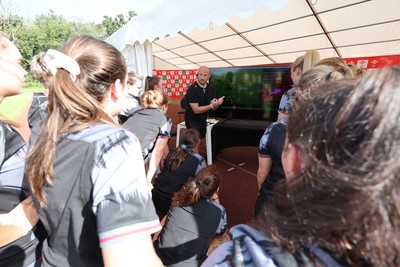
x=12 y=106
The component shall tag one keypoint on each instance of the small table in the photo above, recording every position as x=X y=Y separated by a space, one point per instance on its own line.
x=210 y=125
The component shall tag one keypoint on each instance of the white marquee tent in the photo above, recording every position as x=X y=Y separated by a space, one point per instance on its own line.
x=184 y=34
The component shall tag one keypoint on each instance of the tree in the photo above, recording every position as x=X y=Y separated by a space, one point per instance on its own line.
x=9 y=22
x=45 y=32
x=51 y=30
x=92 y=29
x=111 y=25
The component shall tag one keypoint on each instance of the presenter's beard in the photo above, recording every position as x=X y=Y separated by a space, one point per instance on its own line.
x=202 y=82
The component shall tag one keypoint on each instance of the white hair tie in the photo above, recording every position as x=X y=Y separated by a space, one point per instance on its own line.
x=56 y=60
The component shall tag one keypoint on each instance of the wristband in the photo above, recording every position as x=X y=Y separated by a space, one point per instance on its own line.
x=211 y=106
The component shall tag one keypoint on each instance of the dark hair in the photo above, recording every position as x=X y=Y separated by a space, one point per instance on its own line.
x=205 y=184
x=76 y=102
x=346 y=198
x=151 y=81
x=175 y=157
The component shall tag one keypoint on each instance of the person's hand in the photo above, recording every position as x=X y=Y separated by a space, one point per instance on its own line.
x=220 y=100
x=214 y=104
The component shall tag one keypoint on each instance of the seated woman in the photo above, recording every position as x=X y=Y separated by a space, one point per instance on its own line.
x=181 y=163
x=193 y=220
x=152 y=127
x=339 y=205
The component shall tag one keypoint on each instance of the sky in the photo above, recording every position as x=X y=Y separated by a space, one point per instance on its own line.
x=79 y=10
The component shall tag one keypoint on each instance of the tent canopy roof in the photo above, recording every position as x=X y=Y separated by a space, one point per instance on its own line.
x=227 y=33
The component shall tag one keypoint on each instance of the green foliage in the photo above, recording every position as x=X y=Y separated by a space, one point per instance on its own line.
x=45 y=32
x=10 y=23
x=52 y=30
x=92 y=29
x=111 y=25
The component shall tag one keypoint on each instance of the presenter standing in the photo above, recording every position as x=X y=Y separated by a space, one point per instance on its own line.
x=200 y=98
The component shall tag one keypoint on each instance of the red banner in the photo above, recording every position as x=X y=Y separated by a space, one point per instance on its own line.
x=374 y=62
x=176 y=82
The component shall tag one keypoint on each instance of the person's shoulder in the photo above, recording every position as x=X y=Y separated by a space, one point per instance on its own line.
x=3 y=128
x=157 y=115
x=277 y=124
x=209 y=206
x=292 y=91
x=274 y=134
x=257 y=248
x=101 y=133
x=193 y=87
x=219 y=206
x=193 y=84
x=195 y=156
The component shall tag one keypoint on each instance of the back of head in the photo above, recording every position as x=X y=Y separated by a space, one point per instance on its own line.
x=361 y=112
x=318 y=75
x=191 y=138
x=100 y=64
x=358 y=72
x=307 y=61
x=79 y=100
x=151 y=81
x=39 y=69
x=153 y=99
x=338 y=64
x=346 y=196
x=175 y=157
x=204 y=185
x=82 y=76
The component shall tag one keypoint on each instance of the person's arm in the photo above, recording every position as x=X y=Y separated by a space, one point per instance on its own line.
x=201 y=109
x=18 y=222
x=264 y=167
x=156 y=234
x=125 y=240
x=220 y=100
x=223 y=223
x=137 y=251
x=156 y=156
x=9 y=233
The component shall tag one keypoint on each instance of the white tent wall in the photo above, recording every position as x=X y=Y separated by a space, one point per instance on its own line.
x=185 y=34
x=139 y=58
